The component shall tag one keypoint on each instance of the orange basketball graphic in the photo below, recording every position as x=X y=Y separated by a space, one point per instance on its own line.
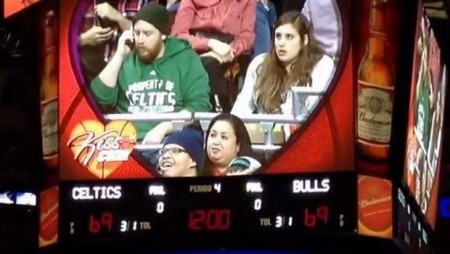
x=48 y=223
x=375 y=206
x=102 y=149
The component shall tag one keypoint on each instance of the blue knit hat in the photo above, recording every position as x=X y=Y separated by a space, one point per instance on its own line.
x=192 y=141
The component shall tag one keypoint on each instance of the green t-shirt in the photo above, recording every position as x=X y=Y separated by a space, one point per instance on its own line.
x=171 y=83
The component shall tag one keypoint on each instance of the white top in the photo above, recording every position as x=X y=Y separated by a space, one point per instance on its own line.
x=246 y=101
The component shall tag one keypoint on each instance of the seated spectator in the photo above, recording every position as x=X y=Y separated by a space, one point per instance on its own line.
x=182 y=154
x=102 y=25
x=226 y=139
x=220 y=31
x=295 y=60
x=265 y=19
x=148 y=74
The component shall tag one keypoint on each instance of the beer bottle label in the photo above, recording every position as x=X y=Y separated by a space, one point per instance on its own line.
x=374 y=113
x=49 y=128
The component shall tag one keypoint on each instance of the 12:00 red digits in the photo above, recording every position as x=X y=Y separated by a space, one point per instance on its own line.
x=209 y=219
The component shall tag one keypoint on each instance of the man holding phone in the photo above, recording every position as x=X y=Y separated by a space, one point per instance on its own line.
x=152 y=73
x=101 y=27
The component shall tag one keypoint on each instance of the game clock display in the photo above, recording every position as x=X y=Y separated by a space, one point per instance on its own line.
x=187 y=208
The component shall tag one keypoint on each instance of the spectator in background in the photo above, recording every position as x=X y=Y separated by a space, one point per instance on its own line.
x=226 y=139
x=265 y=20
x=325 y=24
x=149 y=74
x=102 y=25
x=220 y=31
x=182 y=154
x=294 y=60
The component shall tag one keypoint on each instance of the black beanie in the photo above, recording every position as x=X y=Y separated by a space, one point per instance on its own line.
x=155 y=14
x=192 y=141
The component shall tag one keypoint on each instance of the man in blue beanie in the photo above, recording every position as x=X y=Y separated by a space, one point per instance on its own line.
x=182 y=154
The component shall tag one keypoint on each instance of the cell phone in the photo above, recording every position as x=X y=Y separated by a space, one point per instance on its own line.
x=129 y=43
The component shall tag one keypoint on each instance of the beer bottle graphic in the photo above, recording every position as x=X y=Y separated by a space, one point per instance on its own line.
x=374 y=92
x=49 y=92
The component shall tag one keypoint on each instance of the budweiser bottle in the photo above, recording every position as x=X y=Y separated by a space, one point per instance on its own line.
x=375 y=92
x=49 y=93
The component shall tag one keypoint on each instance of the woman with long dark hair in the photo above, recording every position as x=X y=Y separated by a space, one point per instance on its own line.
x=226 y=139
x=294 y=60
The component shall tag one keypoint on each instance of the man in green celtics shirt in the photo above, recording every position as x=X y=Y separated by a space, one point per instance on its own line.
x=152 y=73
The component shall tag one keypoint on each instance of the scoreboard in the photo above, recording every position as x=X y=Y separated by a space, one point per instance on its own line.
x=307 y=187
x=195 y=208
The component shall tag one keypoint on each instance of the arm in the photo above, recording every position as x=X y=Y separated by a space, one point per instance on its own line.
x=103 y=94
x=111 y=71
x=123 y=23
x=95 y=36
x=183 y=22
x=244 y=40
x=157 y=134
x=104 y=87
x=195 y=87
x=245 y=104
x=106 y=11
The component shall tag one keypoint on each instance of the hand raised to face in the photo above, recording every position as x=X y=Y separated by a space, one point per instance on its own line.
x=125 y=42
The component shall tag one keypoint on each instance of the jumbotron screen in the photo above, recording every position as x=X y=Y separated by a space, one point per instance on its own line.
x=426 y=117
x=320 y=140
x=124 y=178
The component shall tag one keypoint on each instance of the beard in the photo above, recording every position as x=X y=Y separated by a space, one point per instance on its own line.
x=148 y=55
